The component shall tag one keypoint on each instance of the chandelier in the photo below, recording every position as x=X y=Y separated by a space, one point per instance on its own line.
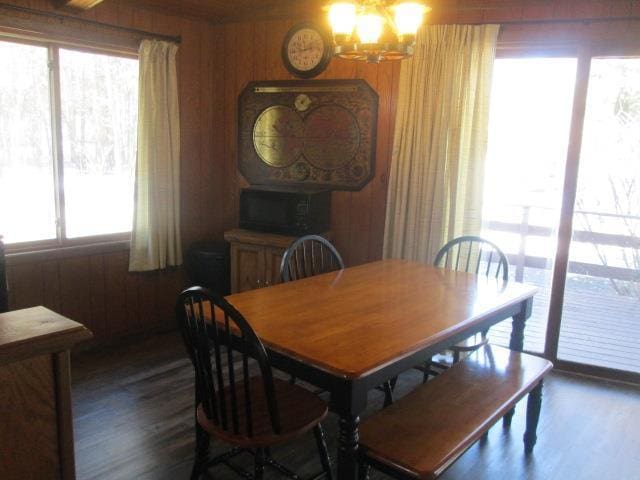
x=374 y=30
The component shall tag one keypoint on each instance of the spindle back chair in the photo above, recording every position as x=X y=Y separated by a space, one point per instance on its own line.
x=232 y=402
x=308 y=256
x=473 y=254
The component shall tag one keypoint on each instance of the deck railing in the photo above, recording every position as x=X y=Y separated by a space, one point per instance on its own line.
x=525 y=230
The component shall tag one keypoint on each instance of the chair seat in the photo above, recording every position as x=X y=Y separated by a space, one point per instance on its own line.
x=301 y=411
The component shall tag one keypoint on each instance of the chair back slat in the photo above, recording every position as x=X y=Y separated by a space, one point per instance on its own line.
x=210 y=340
x=219 y=373
x=478 y=251
x=247 y=389
x=469 y=254
x=231 y=376
x=308 y=256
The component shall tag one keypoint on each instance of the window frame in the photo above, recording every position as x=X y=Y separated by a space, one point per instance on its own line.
x=61 y=242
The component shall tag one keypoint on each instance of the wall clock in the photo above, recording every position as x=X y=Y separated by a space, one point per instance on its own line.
x=306 y=50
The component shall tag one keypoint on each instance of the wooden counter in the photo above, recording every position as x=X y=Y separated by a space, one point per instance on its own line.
x=36 y=437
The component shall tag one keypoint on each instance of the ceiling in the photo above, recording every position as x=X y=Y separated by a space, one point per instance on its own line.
x=221 y=11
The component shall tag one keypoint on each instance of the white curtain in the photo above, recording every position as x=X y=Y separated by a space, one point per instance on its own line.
x=440 y=140
x=155 y=238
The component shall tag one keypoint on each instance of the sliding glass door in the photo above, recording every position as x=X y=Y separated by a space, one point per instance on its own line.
x=600 y=322
x=562 y=199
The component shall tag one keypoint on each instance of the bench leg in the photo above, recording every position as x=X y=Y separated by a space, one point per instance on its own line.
x=534 y=402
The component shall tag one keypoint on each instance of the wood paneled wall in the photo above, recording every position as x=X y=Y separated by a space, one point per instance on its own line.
x=215 y=63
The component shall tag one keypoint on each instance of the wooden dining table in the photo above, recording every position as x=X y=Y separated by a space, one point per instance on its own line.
x=350 y=330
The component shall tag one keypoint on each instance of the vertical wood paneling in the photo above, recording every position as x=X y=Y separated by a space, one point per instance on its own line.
x=25 y=286
x=51 y=285
x=98 y=296
x=75 y=300
x=115 y=273
x=190 y=129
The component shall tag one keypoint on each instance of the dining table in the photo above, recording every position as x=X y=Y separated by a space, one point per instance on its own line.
x=351 y=330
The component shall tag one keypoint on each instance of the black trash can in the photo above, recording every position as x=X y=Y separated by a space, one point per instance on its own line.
x=208 y=265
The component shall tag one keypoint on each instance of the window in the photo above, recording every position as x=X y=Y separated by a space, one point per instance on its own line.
x=68 y=125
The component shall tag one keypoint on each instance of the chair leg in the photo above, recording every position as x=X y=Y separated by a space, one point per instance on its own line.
x=258 y=472
x=426 y=371
x=393 y=382
x=363 y=471
x=388 y=394
x=322 y=450
x=202 y=451
x=534 y=403
x=506 y=420
x=456 y=356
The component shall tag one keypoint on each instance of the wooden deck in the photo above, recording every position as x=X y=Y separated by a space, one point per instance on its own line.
x=599 y=327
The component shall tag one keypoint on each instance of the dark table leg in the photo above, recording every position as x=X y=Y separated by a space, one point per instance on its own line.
x=517 y=328
x=349 y=400
x=517 y=343
x=348 y=447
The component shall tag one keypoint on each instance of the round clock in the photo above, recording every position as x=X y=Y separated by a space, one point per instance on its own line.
x=306 y=50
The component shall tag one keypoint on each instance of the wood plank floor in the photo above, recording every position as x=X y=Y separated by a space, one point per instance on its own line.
x=133 y=420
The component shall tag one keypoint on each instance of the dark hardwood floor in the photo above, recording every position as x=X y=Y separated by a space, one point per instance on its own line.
x=133 y=418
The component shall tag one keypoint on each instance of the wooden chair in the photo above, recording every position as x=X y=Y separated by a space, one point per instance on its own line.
x=425 y=432
x=313 y=255
x=307 y=256
x=471 y=254
x=249 y=412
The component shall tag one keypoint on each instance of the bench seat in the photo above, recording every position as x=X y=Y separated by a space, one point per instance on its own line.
x=423 y=433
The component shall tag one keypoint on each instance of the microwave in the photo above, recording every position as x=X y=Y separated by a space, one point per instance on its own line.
x=288 y=212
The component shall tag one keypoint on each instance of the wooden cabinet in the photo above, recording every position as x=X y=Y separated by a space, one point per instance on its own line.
x=255 y=258
x=36 y=433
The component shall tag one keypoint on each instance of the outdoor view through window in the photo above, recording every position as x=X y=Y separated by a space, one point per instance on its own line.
x=89 y=189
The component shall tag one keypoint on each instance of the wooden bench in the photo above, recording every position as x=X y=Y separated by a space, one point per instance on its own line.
x=422 y=434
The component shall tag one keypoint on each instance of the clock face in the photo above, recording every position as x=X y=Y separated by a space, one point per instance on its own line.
x=305 y=51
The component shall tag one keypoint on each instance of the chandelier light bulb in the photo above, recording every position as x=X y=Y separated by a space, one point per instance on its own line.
x=369 y=27
x=342 y=17
x=408 y=17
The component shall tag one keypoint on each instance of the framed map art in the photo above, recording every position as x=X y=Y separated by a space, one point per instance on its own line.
x=308 y=133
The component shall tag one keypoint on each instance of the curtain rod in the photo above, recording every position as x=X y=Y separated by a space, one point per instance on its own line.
x=94 y=23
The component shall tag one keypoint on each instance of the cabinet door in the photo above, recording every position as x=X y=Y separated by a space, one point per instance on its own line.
x=247 y=267
x=273 y=258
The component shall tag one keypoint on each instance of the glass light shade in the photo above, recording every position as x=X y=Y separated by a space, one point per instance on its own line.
x=342 y=17
x=369 y=27
x=408 y=17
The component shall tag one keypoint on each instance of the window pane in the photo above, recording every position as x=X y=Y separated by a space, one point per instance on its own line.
x=26 y=163
x=99 y=96
x=531 y=103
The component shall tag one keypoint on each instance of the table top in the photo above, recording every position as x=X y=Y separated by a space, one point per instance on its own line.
x=355 y=321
